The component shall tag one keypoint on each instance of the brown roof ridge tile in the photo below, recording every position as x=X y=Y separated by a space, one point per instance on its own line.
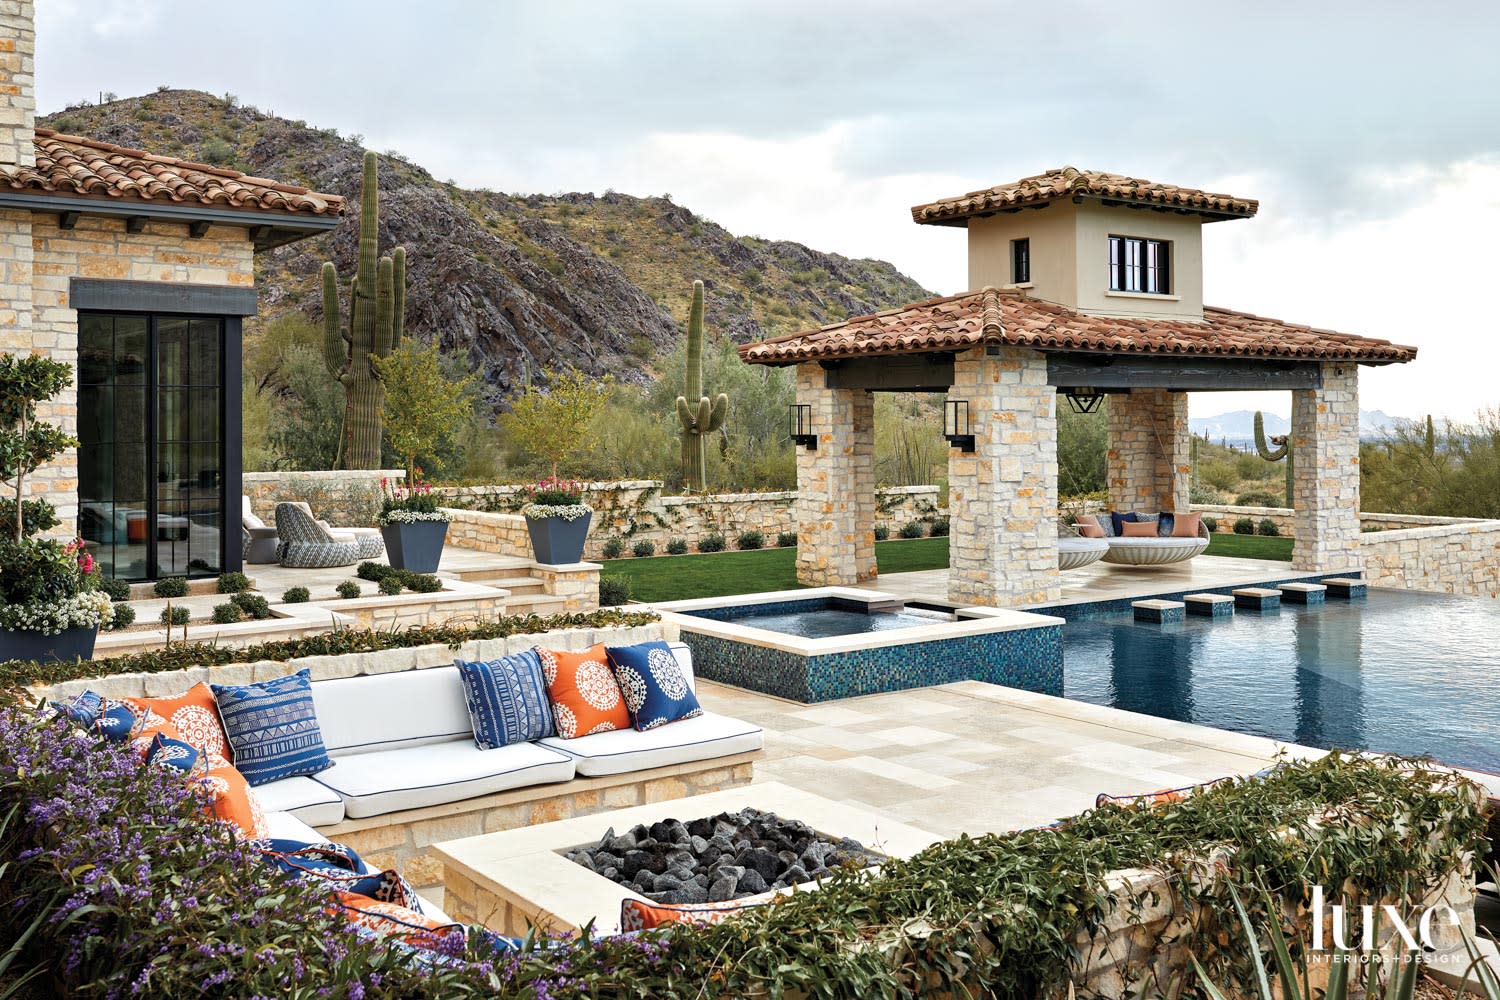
x=1069 y=181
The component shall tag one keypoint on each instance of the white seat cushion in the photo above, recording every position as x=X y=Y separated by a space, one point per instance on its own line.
x=303 y=798
x=704 y=738
x=386 y=781
x=388 y=711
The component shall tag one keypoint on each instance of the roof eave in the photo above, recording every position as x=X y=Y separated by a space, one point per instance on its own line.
x=961 y=218
x=268 y=228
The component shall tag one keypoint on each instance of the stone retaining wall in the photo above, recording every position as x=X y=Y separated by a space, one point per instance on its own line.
x=635 y=510
x=1455 y=558
x=344 y=498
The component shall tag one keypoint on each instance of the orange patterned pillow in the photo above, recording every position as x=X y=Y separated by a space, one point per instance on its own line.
x=396 y=921
x=585 y=696
x=639 y=915
x=196 y=716
x=234 y=801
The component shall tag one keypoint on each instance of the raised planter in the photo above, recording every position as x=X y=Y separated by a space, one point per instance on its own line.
x=74 y=644
x=557 y=541
x=415 y=545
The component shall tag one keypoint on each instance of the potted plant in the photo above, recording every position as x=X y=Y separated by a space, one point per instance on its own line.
x=412 y=525
x=557 y=520
x=50 y=604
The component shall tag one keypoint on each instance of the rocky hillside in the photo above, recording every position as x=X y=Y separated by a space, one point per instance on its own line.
x=517 y=282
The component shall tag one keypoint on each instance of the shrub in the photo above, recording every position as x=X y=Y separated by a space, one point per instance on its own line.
x=374 y=571
x=1268 y=528
x=171 y=615
x=348 y=590
x=296 y=595
x=1244 y=526
x=117 y=590
x=882 y=532
x=750 y=540
x=613 y=591
x=786 y=539
x=233 y=583
x=643 y=548
x=1211 y=523
x=677 y=547
x=421 y=583
x=912 y=529
x=172 y=586
x=227 y=613
x=613 y=548
x=939 y=528
x=391 y=586
x=124 y=616
x=253 y=605
x=711 y=543
x=1258 y=498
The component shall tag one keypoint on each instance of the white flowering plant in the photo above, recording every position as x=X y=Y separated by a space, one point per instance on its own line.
x=408 y=505
x=553 y=497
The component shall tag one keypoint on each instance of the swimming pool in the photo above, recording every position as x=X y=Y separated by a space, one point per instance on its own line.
x=823 y=622
x=1400 y=672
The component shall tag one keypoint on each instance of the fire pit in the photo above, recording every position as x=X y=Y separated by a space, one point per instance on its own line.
x=723 y=857
x=515 y=878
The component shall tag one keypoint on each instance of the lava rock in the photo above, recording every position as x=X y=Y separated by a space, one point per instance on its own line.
x=751 y=883
x=722 y=889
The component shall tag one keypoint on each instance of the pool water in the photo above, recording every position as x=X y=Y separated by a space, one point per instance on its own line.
x=1399 y=672
x=823 y=623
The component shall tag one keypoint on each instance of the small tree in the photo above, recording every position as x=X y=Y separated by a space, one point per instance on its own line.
x=553 y=423
x=422 y=406
x=25 y=442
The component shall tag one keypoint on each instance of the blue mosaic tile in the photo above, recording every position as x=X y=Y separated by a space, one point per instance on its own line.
x=1159 y=616
x=1258 y=602
x=1356 y=591
x=1121 y=606
x=724 y=614
x=1303 y=596
x=1211 y=609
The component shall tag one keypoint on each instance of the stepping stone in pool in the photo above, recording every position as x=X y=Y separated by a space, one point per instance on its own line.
x=1210 y=605
x=1258 y=599
x=1303 y=593
x=1349 y=588
x=1158 y=612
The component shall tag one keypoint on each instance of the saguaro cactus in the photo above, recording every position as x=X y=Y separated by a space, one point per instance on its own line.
x=1282 y=450
x=377 y=308
x=698 y=415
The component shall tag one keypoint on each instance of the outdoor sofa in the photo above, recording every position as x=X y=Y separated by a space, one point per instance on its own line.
x=1153 y=550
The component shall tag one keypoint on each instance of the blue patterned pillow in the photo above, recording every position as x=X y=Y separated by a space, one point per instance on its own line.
x=1116 y=519
x=655 y=688
x=83 y=710
x=167 y=752
x=1165 y=522
x=273 y=728
x=507 y=700
x=115 y=723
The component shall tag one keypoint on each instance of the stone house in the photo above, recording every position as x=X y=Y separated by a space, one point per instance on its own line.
x=138 y=270
x=1086 y=285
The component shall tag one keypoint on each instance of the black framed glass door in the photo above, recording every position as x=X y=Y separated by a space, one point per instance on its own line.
x=151 y=482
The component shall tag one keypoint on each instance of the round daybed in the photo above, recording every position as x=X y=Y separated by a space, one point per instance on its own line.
x=1073 y=552
x=1153 y=551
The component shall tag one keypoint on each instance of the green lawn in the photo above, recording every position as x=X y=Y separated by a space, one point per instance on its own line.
x=1250 y=546
x=677 y=578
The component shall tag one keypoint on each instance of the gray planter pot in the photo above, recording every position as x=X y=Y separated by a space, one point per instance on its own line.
x=417 y=546
x=65 y=647
x=555 y=541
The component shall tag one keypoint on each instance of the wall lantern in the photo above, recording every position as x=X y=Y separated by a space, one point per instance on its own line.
x=802 y=432
x=1084 y=399
x=956 y=425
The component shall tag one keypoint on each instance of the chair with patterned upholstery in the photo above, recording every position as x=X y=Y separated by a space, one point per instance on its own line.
x=304 y=543
x=371 y=543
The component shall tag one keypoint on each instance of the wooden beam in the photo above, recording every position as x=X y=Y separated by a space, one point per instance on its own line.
x=893 y=373
x=135 y=224
x=1183 y=373
x=198 y=228
x=67 y=220
x=259 y=233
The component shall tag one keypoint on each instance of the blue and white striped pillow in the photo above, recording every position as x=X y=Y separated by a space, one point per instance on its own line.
x=273 y=728
x=507 y=700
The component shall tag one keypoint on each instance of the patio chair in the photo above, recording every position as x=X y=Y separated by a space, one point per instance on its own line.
x=304 y=543
x=259 y=537
x=371 y=544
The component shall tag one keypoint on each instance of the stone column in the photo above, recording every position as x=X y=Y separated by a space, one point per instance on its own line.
x=1325 y=476
x=1150 y=451
x=17 y=84
x=835 y=504
x=1002 y=500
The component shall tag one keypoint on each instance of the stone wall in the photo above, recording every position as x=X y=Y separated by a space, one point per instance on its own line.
x=17 y=83
x=343 y=498
x=635 y=510
x=1461 y=557
x=1149 y=450
x=835 y=502
x=1325 y=441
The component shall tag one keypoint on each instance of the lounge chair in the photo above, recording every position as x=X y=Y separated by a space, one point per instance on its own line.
x=1149 y=551
x=371 y=543
x=259 y=537
x=303 y=542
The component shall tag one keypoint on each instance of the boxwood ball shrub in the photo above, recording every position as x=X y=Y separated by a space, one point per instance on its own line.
x=391 y=586
x=420 y=583
x=296 y=595
x=643 y=548
x=613 y=591
x=750 y=540
x=786 y=539
x=711 y=543
x=171 y=615
x=1211 y=523
x=882 y=532
x=373 y=571
x=1268 y=528
x=1244 y=526
x=227 y=613
x=253 y=605
x=172 y=586
x=939 y=527
x=348 y=590
x=233 y=583
x=677 y=546
x=116 y=590
x=613 y=547
x=912 y=529
x=124 y=616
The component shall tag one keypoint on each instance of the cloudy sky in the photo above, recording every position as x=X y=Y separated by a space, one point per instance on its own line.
x=1369 y=131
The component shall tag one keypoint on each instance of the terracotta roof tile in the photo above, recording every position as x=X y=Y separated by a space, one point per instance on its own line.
x=1069 y=182
x=1007 y=316
x=71 y=165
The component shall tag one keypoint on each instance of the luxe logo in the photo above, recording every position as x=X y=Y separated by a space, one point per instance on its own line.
x=1389 y=916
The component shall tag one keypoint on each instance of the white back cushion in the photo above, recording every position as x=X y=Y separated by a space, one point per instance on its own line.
x=685 y=661
x=387 y=711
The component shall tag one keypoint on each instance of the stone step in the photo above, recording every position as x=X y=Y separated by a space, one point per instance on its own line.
x=1303 y=593
x=1257 y=599
x=496 y=566
x=1210 y=605
x=519 y=586
x=1158 y=612
x=535 y=604
x=1347 y=587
